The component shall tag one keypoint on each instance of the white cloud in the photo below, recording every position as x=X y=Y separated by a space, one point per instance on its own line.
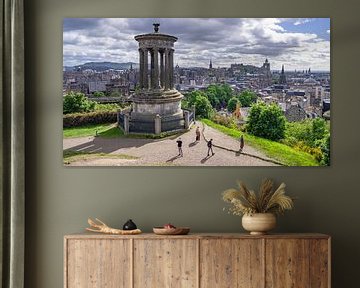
x=225 y=41
x=302 y=21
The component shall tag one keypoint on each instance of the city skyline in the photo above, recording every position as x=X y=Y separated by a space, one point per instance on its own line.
x=297 y=43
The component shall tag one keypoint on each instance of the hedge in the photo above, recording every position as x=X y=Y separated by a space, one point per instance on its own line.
x=81 y=119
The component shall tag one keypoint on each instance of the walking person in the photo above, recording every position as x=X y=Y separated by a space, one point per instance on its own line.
x=197 y=134
x=209 y=145
x=241 y=140
x=179 y=144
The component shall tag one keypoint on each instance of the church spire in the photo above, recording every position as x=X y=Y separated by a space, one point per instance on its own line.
x=210 y=65
x=282 y=79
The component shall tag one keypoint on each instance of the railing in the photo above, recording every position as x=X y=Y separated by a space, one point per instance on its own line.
x=191 y=116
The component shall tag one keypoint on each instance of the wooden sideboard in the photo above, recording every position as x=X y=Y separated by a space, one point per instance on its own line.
x=197 y=260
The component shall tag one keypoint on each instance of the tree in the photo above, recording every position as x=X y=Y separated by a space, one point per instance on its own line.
x=203 y=108
x=266 y=121
x=214 y=101
x=310 y=131
x=219 y=95
x=319 y=130
x=232 y=104
x=247 y=98
x=77 y=103
x=325 y=149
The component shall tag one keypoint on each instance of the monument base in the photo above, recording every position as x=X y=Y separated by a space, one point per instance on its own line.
x=146 y=123
x=163 y=105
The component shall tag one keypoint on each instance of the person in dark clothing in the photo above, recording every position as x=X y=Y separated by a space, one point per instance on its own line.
x=209 y=145
x=241 y=140
x=179 y=144
x=197 y=132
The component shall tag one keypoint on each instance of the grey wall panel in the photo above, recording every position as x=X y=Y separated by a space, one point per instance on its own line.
x=59 y=199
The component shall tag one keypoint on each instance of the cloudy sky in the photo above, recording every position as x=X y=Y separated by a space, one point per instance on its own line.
x=298 y=43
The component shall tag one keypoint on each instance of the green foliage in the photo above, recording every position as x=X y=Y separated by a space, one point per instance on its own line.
x=77 y=103
x=185 y=103
x=203 y=108
x=226 y=121
x=115 y=94
x=315 y=151
x=275 y=150
x=107 y=107
x=325 y=149
x=247 y=98
x=309 y=131
x=266 y=121
x=232 y=104
x=82 y=119
x=99 y=94
x=311 y=136
x=219 y=95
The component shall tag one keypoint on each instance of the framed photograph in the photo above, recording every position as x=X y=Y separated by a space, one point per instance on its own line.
x=196 y=92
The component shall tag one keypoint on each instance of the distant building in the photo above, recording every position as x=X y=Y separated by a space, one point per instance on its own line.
x=266 y=76
x=295 y=113
x=325 y=105
x=95 y=86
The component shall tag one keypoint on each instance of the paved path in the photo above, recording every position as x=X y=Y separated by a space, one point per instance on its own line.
x=162 y=152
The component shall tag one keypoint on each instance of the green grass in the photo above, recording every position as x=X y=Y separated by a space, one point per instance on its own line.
x=280 y=152
x=70 y=156
x=104 y=130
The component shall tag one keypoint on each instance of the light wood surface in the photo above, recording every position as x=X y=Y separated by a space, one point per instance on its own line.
x=231 y=263
x=287 y=263
x=98 y=263
x=165 y=263
x=88 y=235
x=319 y=263
x=205 y=260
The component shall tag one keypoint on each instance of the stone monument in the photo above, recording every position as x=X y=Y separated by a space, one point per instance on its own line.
x=156 y=104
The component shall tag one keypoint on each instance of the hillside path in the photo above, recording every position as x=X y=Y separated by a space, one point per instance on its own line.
x=163 y=152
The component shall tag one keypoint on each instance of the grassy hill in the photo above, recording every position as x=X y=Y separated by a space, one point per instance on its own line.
x=280 y=152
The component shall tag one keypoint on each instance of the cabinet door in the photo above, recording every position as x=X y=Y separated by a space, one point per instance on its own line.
x=231 y=263
x=287 y=263
x=320 y=263
x=98 y=263
x=165 y=263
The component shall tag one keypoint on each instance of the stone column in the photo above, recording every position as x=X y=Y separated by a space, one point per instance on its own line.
x=145 y=69
x=155 y=60
x=186 y=118
x=171 y=69
x=141 y=59
x=162 y=72
x=166 y=69
x=157 y=123
x=151 y=84
x=126 y=124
